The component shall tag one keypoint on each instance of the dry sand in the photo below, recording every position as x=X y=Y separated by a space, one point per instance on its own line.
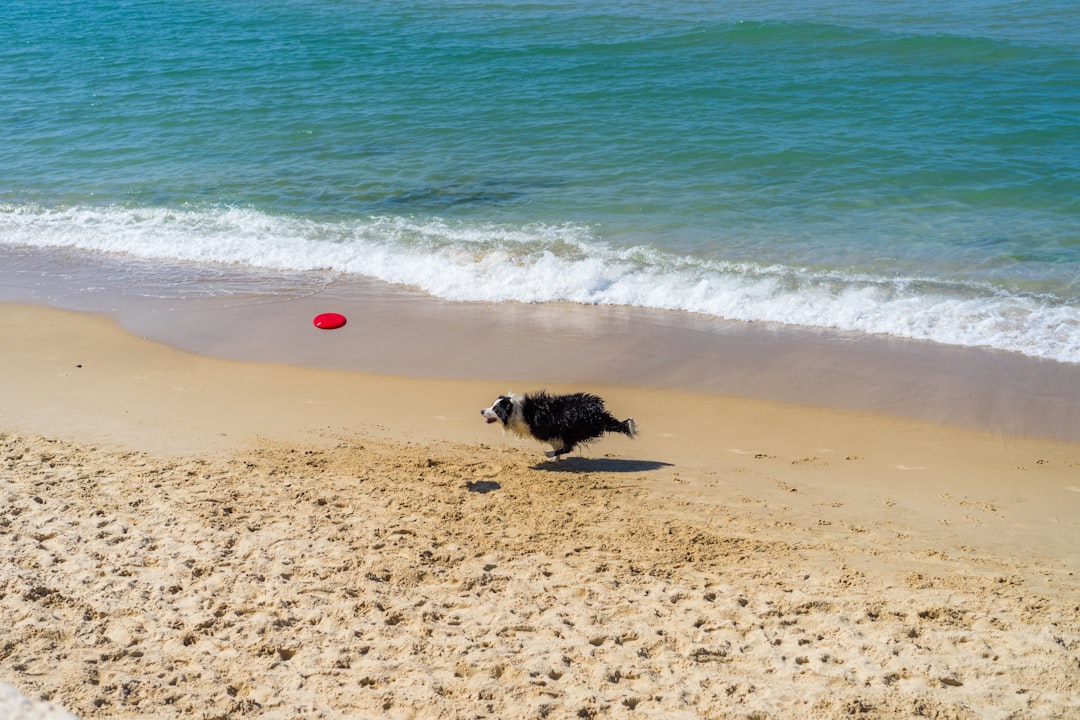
x=194 y=537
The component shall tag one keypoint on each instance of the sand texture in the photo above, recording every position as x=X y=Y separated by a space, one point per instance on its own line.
x=782 y=563
x=377 y=579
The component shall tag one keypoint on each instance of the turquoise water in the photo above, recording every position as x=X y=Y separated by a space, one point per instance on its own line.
x=912 y=170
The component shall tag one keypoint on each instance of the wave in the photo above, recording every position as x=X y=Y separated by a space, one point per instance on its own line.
x=490 y=262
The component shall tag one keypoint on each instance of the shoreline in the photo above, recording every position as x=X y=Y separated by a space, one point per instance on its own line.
x=190 y=534
x=398 y=331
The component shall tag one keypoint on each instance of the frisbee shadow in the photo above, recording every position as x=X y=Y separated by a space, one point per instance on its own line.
x=612 y=465
x=483 y=487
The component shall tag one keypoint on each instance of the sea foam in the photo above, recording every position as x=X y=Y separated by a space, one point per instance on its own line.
x=488 y=262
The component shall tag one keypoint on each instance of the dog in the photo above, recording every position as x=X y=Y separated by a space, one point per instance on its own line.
x=564 y=421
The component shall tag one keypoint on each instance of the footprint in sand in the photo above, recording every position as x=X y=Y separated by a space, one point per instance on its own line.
x=811 y=460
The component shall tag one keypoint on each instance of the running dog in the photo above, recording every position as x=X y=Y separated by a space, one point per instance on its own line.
x=564 y=421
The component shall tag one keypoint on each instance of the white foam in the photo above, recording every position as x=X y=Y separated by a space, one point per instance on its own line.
x=545 y=263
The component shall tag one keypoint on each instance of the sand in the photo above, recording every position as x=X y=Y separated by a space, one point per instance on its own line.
x=189 y=536
x=394 y=330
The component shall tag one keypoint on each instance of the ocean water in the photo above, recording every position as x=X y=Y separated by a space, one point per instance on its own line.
x=909 y=169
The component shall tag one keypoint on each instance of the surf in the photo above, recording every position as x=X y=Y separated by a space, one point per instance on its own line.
x=540 y=263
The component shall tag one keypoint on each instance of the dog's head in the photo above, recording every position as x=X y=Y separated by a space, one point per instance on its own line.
x=500 y=410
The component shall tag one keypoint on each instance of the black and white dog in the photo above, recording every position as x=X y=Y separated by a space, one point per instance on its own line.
x=565 y=421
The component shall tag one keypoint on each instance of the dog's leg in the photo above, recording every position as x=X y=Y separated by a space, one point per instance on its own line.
x=558 y=450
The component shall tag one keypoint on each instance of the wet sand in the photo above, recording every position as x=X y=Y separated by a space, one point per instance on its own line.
x=197 y=536
x=260 y=317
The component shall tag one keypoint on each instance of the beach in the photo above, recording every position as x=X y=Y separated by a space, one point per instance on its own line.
x=825 y=255
x=191 y=535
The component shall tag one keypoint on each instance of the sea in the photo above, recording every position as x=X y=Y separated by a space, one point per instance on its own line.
x=909 y=170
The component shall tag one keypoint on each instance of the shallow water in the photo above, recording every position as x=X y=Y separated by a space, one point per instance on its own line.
x=911 y=172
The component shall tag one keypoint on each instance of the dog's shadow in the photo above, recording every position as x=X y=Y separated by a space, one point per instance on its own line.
x=612 y=465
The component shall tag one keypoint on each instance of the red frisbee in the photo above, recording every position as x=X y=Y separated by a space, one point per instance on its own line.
x=329 y=321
